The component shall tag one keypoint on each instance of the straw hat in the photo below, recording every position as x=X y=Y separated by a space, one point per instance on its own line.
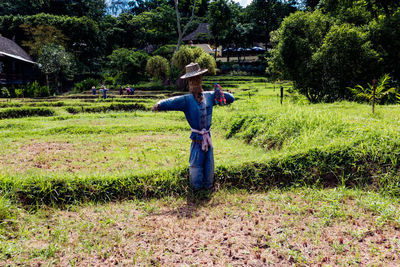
x=192 y=70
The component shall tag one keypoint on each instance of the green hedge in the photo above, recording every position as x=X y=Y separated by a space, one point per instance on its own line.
x=46 y=104
x=234 y=78
x=154 y=88
x=112 y=107
x=25 y=112
x=10 y=104
x=340 y=165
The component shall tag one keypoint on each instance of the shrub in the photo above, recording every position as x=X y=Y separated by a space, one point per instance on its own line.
x=207 y=62
x=112 y=107
x=382 y=93
x=86 y=85
x=110 y=81
x=19 y=92
x=346 y=58
x=128 y=64
x=158 y=67
x=322 y=58
x=186 y=55
x=30 y=88
x=41 y=91
x=165 y=51
x=237 y=73
x=183 y=57
x=4 y=92
x=33 y=90
x=298 y=37
x=25 y=112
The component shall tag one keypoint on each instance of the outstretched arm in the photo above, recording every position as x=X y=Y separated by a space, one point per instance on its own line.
x=177 y=103
x=229 y=97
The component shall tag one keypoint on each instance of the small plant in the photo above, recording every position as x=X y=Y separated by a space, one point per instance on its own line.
x=41 y=91
x=111 y=81
x=19 y=92
x=381 y=91
x=4 y=93
x=35 y=90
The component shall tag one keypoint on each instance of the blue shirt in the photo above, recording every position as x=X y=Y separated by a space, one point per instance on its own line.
x=198 y=114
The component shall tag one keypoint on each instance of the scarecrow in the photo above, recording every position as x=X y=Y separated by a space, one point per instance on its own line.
x=198 y=106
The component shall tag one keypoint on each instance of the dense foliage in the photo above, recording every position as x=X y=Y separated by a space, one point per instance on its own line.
x=158 y=67
x=323 y=144
x=128 y=65
x=92 y=36
x=187 y=54
x=324 y=48
x=55 y=61
x=337 y=46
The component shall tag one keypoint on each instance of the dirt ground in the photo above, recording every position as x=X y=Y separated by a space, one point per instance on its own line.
x=229 y=229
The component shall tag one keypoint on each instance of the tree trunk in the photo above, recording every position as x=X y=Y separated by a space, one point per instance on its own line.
x=56 y=82
x=178 y=23
x=179 y=41
x=47 y=81
x=216 y=47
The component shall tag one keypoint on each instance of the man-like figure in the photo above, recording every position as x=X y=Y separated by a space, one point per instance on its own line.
x=198 y=106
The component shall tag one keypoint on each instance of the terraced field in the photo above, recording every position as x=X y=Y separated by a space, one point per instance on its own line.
x=313 y=168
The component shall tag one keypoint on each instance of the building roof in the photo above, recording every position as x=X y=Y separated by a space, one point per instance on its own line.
x=11 y=49
x=205 y=47
x=201 y=29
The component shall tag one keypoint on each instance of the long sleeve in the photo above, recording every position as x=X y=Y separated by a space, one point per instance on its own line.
x=229 y=97
x=177 y=103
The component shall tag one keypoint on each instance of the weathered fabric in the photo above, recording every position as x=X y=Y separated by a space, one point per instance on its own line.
x=199 y=117
x=206 y=143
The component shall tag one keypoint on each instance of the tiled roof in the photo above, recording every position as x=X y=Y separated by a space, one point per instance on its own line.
x=202 y=28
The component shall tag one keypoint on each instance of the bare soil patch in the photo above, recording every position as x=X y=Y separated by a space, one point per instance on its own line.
x=271 y=229
x=82 y=156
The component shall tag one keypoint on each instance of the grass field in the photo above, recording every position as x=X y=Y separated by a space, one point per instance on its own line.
x=57 y=170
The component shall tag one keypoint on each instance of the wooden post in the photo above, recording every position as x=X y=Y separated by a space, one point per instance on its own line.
x=374 y=84
x=281 y=95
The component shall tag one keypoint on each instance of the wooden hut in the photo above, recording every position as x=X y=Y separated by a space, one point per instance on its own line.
x=201 y=37
x=16 y=66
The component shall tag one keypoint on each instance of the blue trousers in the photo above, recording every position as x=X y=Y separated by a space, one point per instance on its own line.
x=201 y=167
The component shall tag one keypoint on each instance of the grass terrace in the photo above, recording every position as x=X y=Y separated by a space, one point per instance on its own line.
x=307 y=170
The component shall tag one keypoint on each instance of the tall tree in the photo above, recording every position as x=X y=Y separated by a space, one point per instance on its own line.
x=312 y=4
x=41 y=35
x=94 y=9
x=220 y=19
x=182 y=31
x=267 y=15
x=127 y=65
x=55 y=61
x=375 y=7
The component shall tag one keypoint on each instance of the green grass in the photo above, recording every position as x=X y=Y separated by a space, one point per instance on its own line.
x=259 y=144
x=320 y=182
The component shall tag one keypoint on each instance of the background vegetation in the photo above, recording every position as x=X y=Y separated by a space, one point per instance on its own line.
x=323 y=46
x=259 y=144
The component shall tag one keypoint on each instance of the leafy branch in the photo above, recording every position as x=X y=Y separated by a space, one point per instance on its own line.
x=381 y=90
